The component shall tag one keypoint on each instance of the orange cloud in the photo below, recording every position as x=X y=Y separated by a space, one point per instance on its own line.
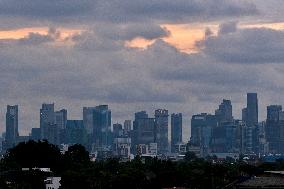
x=184 y=36
x=24 y=32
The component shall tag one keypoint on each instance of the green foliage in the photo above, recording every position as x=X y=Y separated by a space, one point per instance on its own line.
x=77 y=171
x=33 y=154
x=190 y=156
x=76 y=157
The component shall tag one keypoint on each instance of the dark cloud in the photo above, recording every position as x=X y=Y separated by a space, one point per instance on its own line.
x=90 y=11
x=41 y=9
x=247 y=46
x=227 y=27
x=99 y=70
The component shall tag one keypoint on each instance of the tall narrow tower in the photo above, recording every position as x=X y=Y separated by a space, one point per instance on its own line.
x=161 y=130
x=11 y=126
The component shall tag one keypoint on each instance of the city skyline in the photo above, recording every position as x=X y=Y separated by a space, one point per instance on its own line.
x=193 y=54
x=186 y=118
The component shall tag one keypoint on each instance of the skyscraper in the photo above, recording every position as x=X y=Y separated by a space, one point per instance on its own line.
x=11 y=126
x=127 y=126
x=161 y=130
x=88 y=119
x=274 y=128
x=117 y=130
x=251 y=121
x=176 y=130
x=252 y=109
x=75 y=132
x=61 y=119
x=224 y=112
x=202 y=126
x=143 y=128
x=102 y=126
x=49 y=130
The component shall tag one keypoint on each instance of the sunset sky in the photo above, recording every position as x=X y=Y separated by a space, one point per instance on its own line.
x=185 y=56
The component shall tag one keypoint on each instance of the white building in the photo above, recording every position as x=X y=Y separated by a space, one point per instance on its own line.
x=122 y=147
x=52 y=182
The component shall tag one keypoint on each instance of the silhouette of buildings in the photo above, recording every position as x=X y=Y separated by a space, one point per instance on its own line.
x=176 y=130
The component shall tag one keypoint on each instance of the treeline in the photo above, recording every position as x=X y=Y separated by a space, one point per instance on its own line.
x=77 y=171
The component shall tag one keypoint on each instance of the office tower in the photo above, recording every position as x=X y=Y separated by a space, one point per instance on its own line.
x=176 y=130
x=35 y=135
x=201 y=131
x=61 y=119
x=273 y=112
x=263 y=144
x=127 y=127
x=250 y=116
x=12 y=132
x=102 y=126
x=88 y=119
x=252 y=109
x=274 y=126
x=48 y=126
x=75 y=132
x=161 y=130
x=224 y=112
x=143 y=129
x=47 y=118
x=117 y=130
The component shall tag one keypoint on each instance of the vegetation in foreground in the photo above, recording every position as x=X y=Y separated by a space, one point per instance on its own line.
x=77 y=171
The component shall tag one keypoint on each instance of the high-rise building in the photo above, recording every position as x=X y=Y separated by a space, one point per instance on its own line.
x=244 y=114
x=176 y=130
x=161 y=130
x=273 y=112
x=88 y=119
x=273 y=128
x=12 y=132
x=48 y=126
x=127 y=127
x=143 y=129
x=252 y=109
x=202 y=126
x=75 y=132
x=102 y=126
x=224 y=112
x=251 y=121
x=61 y=119
x=117 y=130
x=47 y=119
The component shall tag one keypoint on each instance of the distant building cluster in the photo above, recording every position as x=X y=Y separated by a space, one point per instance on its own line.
x=216 y=134
x=221 y=133
x=144 y=136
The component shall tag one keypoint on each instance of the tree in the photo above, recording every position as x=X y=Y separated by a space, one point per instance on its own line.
x=190 y=156
x=77 y=156
x=33 y=154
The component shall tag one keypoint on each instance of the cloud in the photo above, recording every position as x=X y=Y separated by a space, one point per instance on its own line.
x=227 y=27
x=254 y=46
x=99 y=69
x=82 y=12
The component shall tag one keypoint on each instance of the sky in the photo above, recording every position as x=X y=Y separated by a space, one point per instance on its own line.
x=134 y=55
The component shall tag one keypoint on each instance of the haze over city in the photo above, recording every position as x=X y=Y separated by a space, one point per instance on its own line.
x=184 y=56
